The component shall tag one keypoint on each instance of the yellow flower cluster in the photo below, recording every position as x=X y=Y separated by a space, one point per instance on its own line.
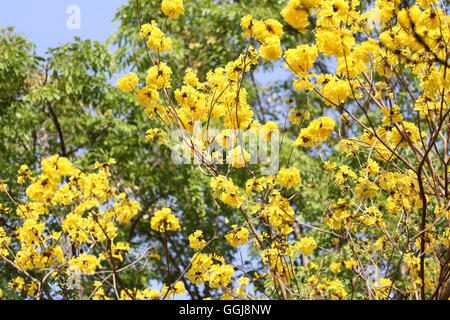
x=145 y=294
x=296 y=13
x=24 y=175
x=289 y=177
x=307 y=245
x=382 y=288
x=85 y=263
x=340 y=214
x=268 y=32
x=316 y=132
x=301 y=59
x=128 y=82
x=196 y=240
x=20 y=285
x=239 y=236
x=172 y=8
x=259 y=184
x=164 y=221
x=276 y=258
x=344 y=174
x=296 y=116
x=4 y=242
x=159 y=76
x=156 y=135
x=238 y=157
x=77 y=199
x=203 y=269
x=227 y=192
x=404 y=134
x=156 y=39
x=277 y=212
x=118 y=249
x=335 y=90
x=372 y=216
x=365 y=188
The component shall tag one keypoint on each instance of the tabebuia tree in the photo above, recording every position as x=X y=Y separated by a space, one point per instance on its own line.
x=352 y=203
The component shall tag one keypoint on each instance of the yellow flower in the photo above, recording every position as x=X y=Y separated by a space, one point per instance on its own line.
x=296 y=116
x=172 y=8
x=344 y=174
x=100 y=293
x=159 y=77
x=307 y=245
x=337 y=42
x=151 y=294
x=220 y=275
x=128 y=82
x=179 y=288
x=164 y=220
x=196 y=240
x=157 y=40
x=382 y=289
x=198 y=273
x=350 y=264
x=269 y=28
x=391 y=115
x=259 y=184
x=191 y=79
x=317 y=131
x=296 y=13
x=266 y=131
x=155 y=256
x=350 y=66
x=19 y=284
x=238 y=236
x=236 y=159
x=365 y=188
x=336 y=289
x=85 y=263
x=430 y=243
x=408 y=132
x=271 y=48
x=3 y=210
x=301 y=59
x=3 y=185
x=24 y=173
x=56 y=166
x=335 y=267
x=125 y=208
x=243 y=281
x=248 y=23
x=118 y=249
x=289 y=177
x=335 y=90
x=156 y=135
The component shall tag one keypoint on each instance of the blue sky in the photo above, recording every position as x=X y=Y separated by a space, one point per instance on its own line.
x=44 y=22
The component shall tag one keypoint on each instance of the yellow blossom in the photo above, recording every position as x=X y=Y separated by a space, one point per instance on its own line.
x=164 y=221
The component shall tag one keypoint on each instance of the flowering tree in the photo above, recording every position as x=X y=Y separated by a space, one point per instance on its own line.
x=381 y=231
